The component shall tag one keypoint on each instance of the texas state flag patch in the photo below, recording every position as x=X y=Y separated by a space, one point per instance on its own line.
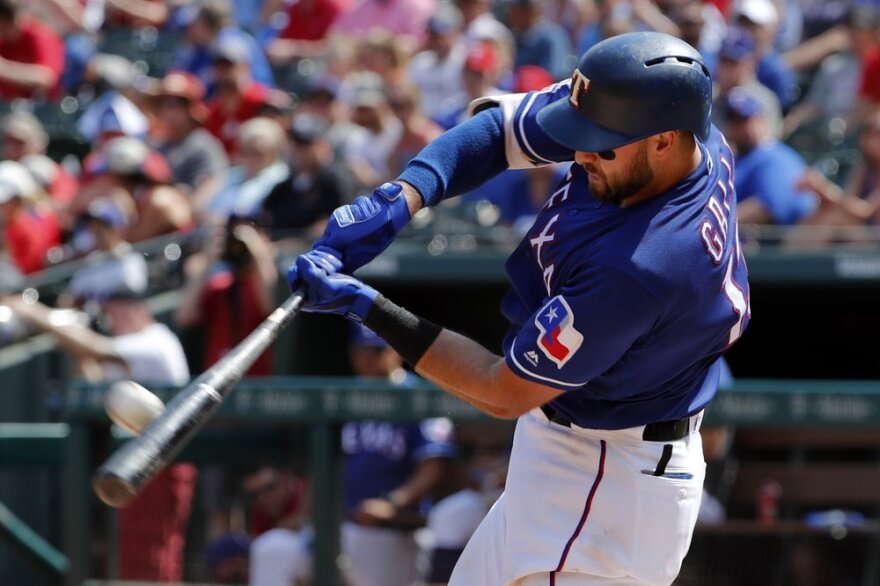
x=558 y=338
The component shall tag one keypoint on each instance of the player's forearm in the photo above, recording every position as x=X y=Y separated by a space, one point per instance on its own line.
x=459 y=160
x=422 y=481
x=27 y=75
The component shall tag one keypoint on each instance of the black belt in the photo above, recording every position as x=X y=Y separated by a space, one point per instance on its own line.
x=662 y=431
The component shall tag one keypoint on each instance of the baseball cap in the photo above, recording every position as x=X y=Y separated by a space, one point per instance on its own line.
x=360 y=336
x=16 y=181
x=186 y=86
x=738 y=44
x=531 y=78
x=761 y=12
x=446 y=20
x=126 y=156
x=232 y=50
x=743 y=103
x=323 y=84
x=25 y=127
x=43 y=169
x=481 y=58
x=307 y=128
x=107 y=211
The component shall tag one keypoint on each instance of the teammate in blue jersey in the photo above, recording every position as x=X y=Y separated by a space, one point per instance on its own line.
x=623 y=296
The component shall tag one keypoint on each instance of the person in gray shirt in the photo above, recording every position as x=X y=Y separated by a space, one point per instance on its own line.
x=197 y=159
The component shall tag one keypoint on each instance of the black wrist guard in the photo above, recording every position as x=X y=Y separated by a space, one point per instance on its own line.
x=409 y=334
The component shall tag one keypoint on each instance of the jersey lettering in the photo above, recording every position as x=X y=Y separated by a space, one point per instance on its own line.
x=543 y=238
x=713 y=241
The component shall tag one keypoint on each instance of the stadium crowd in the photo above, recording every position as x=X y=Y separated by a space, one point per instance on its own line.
x=235 y=124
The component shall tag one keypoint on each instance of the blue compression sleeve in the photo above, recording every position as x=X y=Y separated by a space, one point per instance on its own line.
x=460 y=160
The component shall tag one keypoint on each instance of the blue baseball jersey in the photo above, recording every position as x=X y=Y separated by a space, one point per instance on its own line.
x=625 y=309
x=381 y=455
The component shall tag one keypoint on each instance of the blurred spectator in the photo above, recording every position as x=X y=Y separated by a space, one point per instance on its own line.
x=736 y=68
x=538 y=41
x=25 y=141
x=321 y=99
x=438 y=69
x=152 y=528
x=113 y=265
x=368 y=154
x=261 y=166
x=138 y=177
x=690 y=18
x=404 y=18
x=418 y=130
x=31 y=56
x=317 y=184
x=308 y=24
x=480 y=24
x=858 y=203
x=212 y=24
x=229 y=290
x=767 y=170
x=113 y=112
x=384 y=54
x=453 y=519
x=761 y=19
x=238 y=96
x=572 y=15
x=135 y=13
x=518 y=193
x=197 y=159
x=30 y=227
x=834 y=89
x=390 y=468
x=281 y=550
x=480 y=78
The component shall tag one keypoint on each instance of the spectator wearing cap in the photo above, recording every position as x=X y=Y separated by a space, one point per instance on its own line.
x=538 y=40
x=367 y=154
x=737 y=62
x=113 y=112
x=25 y=141
x=197 y=159
x=384 y=54
x=843 y=77
x=31 y=56
x=418 y=129
x=113 y=265
x=437 y=70
x=229 y=290
x=306 y=33
x=761 y=19
x=139 y=179
x=213 y=22
x=260 y=166
x=480 y=77
x=403 y=18
x=30 y=226
x=317 y=183
x=480 y=24
x=238 y=97
x=321 y=98
x=767 y=170
x=698 y=24
x=152 y=528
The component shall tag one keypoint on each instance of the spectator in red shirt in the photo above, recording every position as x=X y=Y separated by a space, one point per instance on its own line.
x=307 y=24
x=238 y=97
x=24 y=140
x=31 y=56
x=30 y=226
x=229 y=291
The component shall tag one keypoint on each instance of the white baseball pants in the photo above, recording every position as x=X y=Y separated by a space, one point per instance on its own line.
x=378 y=556
x=583 y=507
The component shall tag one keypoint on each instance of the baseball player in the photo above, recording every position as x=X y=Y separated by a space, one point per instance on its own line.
x=623 y=296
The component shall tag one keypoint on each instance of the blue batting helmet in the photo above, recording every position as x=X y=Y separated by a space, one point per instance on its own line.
x=629 y=87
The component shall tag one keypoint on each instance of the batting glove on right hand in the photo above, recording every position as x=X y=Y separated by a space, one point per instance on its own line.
x=358 y=232
x=329 y=291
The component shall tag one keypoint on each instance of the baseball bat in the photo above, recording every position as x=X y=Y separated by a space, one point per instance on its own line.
x=125 y=473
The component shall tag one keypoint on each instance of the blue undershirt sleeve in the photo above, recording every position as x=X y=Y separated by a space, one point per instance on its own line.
x=461 y=159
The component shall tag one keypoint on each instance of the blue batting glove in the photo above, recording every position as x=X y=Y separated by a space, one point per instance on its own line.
x=326 y=259
x=330 y=291
x=356 y=233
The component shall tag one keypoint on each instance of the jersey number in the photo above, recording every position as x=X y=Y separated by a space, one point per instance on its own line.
x=736 y=294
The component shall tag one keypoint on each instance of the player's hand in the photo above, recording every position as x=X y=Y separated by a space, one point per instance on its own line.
x=359 y=231
x=329 y=291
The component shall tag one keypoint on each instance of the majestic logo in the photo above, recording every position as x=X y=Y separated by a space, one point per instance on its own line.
x=558 y=339
x=579 y=85
x=532 y=357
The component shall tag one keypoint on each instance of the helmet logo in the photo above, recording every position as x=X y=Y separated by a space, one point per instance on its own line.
x=579 y=85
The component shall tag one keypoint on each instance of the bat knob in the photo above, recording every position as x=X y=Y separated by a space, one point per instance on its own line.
x=112 y=490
